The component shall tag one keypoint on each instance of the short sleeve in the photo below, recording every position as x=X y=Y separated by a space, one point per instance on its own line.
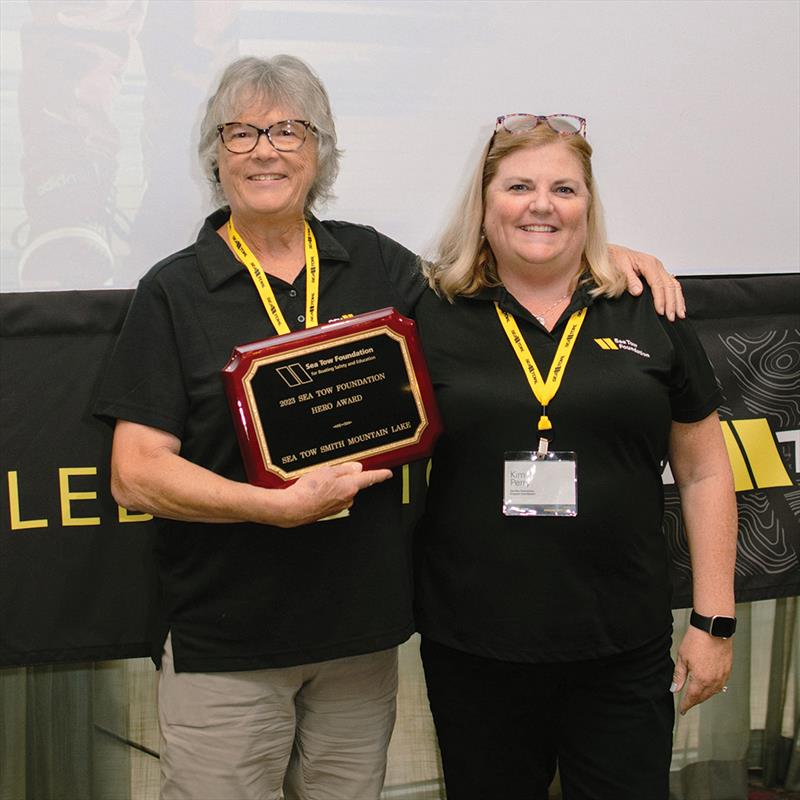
x=694 y=390
x=404 y=271
x=143 y=382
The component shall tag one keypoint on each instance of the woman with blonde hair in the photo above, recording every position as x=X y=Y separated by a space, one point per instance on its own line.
x=542 y=585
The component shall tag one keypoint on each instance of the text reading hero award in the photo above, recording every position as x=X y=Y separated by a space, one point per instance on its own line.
x=354 y=389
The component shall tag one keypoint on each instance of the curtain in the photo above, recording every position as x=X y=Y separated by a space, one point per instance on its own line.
x=58 y=738
x=752 y=730
x=90 y=731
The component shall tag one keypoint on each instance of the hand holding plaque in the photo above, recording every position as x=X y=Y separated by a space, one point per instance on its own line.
x=354 y=389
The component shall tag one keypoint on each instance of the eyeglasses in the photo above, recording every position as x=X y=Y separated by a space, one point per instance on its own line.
x=564 y=124
x=285 y=136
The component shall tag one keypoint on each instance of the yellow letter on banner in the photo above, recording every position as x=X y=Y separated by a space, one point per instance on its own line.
x=129 y=516
x=67 y=496
x=17 y=523
x=762 y=453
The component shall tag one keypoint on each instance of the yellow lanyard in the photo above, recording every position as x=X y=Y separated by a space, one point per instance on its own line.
x=262 y=284
x=543 y=390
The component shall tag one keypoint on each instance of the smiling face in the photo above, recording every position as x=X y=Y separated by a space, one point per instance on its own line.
x=266 y=185
x=536 y=210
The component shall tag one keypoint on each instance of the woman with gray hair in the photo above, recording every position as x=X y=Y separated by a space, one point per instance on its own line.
x=277 y=648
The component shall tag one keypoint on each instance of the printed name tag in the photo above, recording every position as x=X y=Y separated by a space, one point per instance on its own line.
x=540 y=485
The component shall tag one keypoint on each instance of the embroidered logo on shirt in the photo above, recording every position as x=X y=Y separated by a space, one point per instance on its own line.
x=609 y=343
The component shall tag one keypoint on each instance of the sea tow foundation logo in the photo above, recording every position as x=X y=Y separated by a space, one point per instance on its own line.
x=612 y=343
x=753 y=452
x=294 y=375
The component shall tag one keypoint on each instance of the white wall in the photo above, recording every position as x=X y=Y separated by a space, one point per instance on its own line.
x=692 y=109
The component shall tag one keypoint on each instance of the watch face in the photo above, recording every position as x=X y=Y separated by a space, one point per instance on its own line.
x=724 y=627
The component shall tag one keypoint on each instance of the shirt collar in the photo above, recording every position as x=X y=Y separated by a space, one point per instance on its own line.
x=218 y=264
x=500 y=295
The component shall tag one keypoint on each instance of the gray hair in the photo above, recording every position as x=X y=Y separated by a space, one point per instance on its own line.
x=283 y=80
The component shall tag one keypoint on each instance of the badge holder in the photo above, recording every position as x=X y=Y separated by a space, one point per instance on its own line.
x=540 y=483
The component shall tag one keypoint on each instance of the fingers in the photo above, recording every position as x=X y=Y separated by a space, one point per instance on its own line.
x=634 y=284
x=625 y=261
x=694 y=693
x=680 y=301
x=667 y=292
x=681 y=679
x=698 y=691
x=678 y=676
x=363 y=478
x=348 y=468
x=351 y=478
x=702 y=666
x=668 y=298
x=373 y=476
x=664 y=295
x=328 y=491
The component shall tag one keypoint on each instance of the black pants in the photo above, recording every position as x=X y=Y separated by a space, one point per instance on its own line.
x=503 y=726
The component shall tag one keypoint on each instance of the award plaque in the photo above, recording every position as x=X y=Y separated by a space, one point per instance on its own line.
x=354 y=389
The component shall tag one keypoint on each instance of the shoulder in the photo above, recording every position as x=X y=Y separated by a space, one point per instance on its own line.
x=207 y=253
x=354 y=234
x=349 y=234
x=635 y=319
x=354 y=230
x=346 y=227
x=174 y=276
x=438 y=315
x=627 y=309
x=172 y=265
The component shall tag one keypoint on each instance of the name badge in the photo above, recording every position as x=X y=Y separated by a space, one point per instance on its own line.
x=537 y=485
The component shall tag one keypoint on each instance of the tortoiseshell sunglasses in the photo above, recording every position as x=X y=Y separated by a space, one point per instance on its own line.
x=564 y=124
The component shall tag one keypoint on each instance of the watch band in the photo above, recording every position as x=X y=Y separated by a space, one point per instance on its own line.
x=719 y=626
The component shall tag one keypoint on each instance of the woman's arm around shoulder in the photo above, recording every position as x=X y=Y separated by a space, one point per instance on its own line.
x=701 y=468
x=667 y=293
x=148 y=474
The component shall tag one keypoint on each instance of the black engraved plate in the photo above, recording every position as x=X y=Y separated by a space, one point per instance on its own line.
x=351 y=390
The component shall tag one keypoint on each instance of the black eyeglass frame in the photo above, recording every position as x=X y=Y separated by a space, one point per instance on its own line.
x=307 y=126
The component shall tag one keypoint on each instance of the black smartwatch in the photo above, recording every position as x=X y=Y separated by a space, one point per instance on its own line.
x=721 y=627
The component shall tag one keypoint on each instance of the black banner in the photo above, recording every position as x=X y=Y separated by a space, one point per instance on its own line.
x=750 y=328
x=75 y=574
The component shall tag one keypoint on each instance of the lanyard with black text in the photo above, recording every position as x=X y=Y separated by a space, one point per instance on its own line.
x=262 y=284
x=543 y=390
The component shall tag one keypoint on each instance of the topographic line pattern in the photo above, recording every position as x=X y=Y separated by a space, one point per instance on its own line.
x=766 y=368
x=763 y=548
x=761 y=378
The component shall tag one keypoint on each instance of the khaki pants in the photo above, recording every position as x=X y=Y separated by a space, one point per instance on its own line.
x=312 y=732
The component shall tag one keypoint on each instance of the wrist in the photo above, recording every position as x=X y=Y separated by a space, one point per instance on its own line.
x=719 y=626
x=266 y=506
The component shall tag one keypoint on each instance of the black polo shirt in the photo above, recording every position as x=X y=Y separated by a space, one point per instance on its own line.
x=245 y=596
x=553 y=588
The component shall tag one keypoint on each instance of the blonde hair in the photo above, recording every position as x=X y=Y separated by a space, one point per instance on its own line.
x=464 y=263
